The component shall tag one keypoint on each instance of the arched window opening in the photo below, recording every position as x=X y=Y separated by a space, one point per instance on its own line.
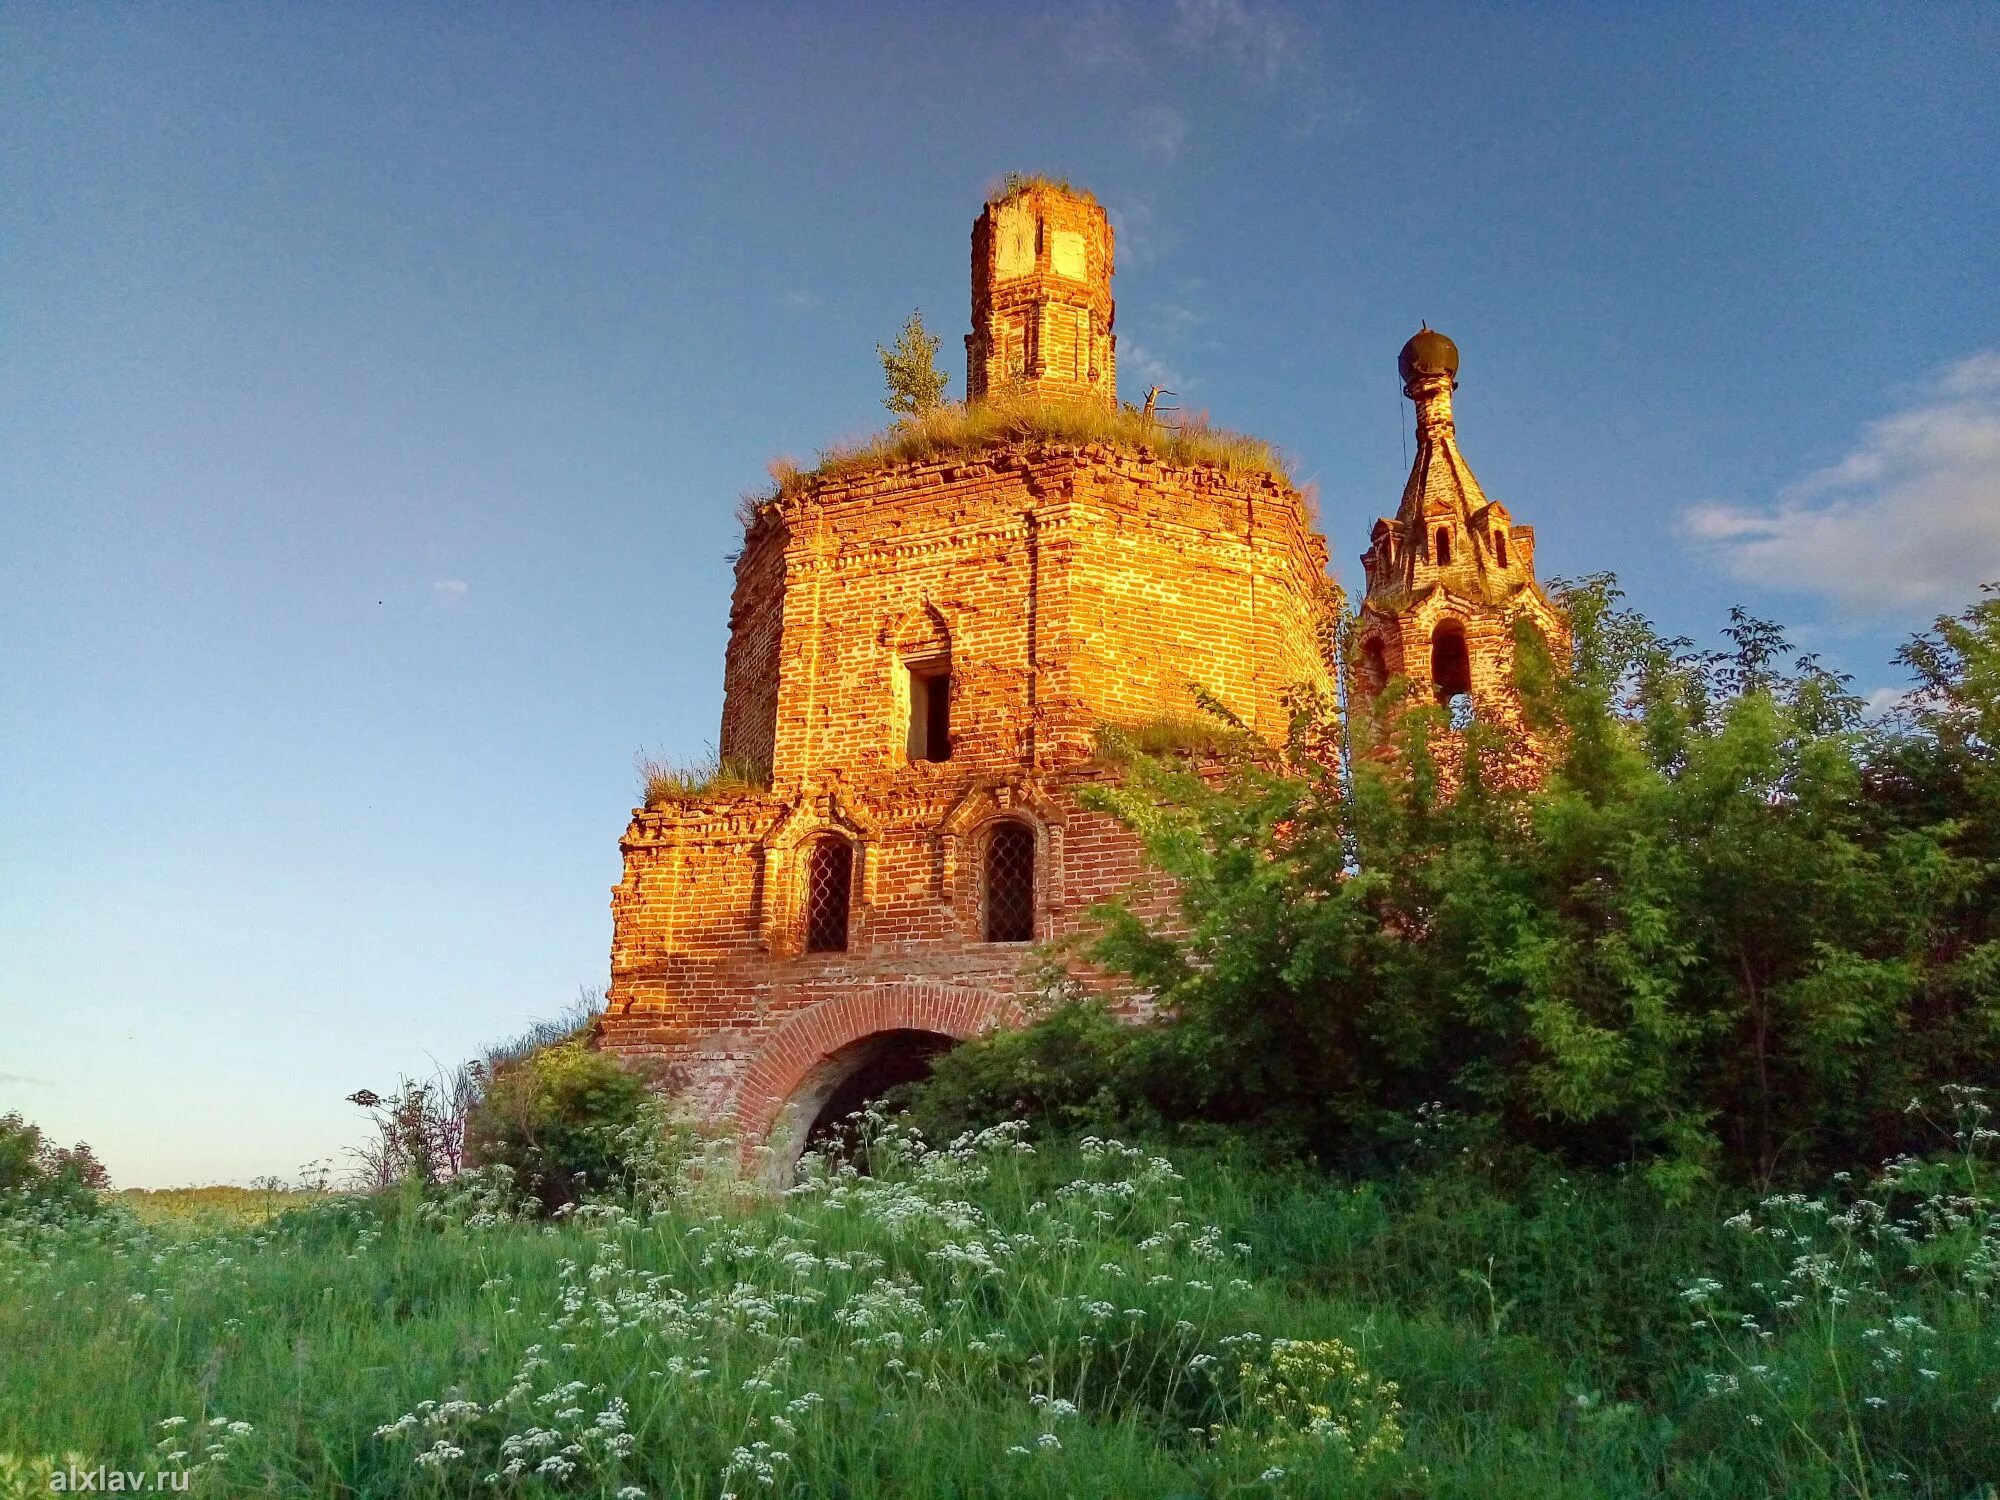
x=1374 y=664
x=1443 y=549
x=1500 y=547
x=1010 y=883
x=829 y=885
x=1451 y=666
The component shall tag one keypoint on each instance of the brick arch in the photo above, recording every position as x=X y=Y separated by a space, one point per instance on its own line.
x=807 y=1039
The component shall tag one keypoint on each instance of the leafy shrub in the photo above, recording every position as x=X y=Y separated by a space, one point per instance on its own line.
x=35 y=1173
x=1067 y=1073
x=1732 y=930
x=558 y=1118
x=916 y=385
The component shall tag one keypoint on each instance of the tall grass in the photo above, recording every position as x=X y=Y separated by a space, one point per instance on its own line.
x=967 y=430
x=993 y=1319
x=663 y=783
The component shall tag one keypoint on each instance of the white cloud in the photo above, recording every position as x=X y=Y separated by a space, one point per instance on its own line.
x=1880 y=701
x=1907 y=522
x=450 y=590
x=24 y=1080
x=1159 y=131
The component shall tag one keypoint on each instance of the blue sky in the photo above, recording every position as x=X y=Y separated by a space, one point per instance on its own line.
x=376 y=384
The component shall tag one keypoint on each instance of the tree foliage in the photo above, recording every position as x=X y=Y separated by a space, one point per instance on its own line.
x=1736 y=928
x=916 y=384
x=558 y=1116
x=36 y=1171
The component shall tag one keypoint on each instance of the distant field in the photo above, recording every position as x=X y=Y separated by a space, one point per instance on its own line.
x=211 y=1207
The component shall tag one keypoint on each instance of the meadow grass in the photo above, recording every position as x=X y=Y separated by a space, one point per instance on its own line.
x=998 y=1319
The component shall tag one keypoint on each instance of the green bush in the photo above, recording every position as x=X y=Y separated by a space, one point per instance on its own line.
x=1731 y=932
x=562 y=1118
x=1066 y=1073
x=37 y=1174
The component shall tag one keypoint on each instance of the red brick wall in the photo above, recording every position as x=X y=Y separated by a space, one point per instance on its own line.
x=1073 y=586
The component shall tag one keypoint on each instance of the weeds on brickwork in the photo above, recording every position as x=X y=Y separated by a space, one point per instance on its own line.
x=1016 y=183
x=1167 y=734
x=664 y=783
x=952 y=429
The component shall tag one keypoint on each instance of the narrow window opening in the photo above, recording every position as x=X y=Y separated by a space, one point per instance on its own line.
x=829 y=884
x=930 y=712
x=1374 y=665
x=1443 y=548
x=1500 y=547
x=1451 y=667
x=1010 y=884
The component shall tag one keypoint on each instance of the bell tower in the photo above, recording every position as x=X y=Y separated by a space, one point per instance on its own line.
x=1041 y=296
x=1448 y=577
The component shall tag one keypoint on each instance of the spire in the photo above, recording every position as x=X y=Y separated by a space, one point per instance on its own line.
x=1446 y=533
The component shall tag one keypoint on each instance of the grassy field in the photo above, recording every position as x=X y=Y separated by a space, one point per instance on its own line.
x=994 y=1320
x=198 y=1210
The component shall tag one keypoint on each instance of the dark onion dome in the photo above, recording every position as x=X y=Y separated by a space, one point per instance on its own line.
x=1428 y=353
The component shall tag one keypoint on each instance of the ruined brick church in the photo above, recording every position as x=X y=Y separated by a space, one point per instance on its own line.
x=920 y=656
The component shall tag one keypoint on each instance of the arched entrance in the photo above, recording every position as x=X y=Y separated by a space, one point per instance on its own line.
x=858 y=1076
x=854 y=1045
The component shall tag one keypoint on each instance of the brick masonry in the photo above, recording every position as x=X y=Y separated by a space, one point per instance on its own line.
x=1063 y=587
x=1042 y=312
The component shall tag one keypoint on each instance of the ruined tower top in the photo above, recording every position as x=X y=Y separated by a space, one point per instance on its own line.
x=1041 y=296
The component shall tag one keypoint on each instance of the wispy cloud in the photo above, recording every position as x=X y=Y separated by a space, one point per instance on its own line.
x=1881 y=701
x=1159 y=131
x=450 y=590
x=1135 y=358
x=1907 y=522
x=1100 y=36
x=1141 y=236
x=1271 y=51
x=24 y=1080
x=1262 y=42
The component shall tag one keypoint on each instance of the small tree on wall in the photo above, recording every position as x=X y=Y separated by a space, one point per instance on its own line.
x=916 y=384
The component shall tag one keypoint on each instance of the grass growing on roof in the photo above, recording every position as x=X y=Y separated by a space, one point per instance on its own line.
x=1014 y=184
x=965 y=430
x=667 y=782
